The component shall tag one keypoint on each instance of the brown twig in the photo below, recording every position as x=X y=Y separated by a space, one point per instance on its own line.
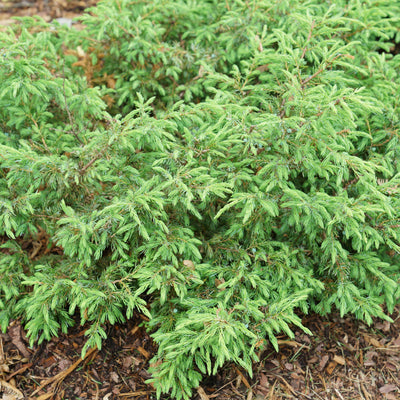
x=71 y=120
x=320 y=70
x=308 y=39
x=91 y=162
x=19 y=371
x=355 y=180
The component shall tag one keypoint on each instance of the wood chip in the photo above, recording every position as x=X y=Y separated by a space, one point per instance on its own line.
x=202 y=393
x=15 y=333
x=371 y=340
x=143 y=351
x=244 y=380
x=45 y=396
x=340 y=360
x=291 y=343
x=330 y=368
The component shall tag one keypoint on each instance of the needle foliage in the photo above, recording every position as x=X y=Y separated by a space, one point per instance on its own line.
x=218 y=166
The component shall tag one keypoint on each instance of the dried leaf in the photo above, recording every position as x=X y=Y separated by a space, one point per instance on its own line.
x=114 y=377
x=64 y=364
x=188 y=263
x=264 y=380
x=374 y=342
x=289 y=366
x=291 y=343
x=391 y=396
x=391 y=366
x=80 y=52
x=4 y=368
x=323 y=362
x=81 y=63
x=276 y=363
x=389 y=387
x=127 y=362
x=111 y=82
x=263 y=68
x=384 y=326
x=369 y=362
x=9 y=391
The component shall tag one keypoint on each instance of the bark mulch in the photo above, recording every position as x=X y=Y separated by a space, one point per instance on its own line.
x=343 y=360
x=47 y=9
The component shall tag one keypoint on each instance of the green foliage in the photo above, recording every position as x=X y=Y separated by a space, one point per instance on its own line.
x=216 y=166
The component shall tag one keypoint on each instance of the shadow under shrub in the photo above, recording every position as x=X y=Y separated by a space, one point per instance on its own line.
x=229 y=162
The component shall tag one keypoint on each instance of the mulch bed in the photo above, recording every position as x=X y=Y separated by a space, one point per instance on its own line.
x=47 y=9
x=343 y=360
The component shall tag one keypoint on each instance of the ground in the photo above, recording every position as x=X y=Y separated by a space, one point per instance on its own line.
x=343 y=360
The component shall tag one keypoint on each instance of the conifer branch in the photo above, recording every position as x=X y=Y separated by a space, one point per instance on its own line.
x=308 y=39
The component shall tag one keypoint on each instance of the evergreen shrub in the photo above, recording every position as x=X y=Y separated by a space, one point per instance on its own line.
x=218 y=166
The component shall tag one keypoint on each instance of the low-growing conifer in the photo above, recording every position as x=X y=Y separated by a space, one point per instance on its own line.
x=218 y=166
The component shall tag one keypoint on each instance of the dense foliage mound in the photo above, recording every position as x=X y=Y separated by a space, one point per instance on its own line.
x=218 y=166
